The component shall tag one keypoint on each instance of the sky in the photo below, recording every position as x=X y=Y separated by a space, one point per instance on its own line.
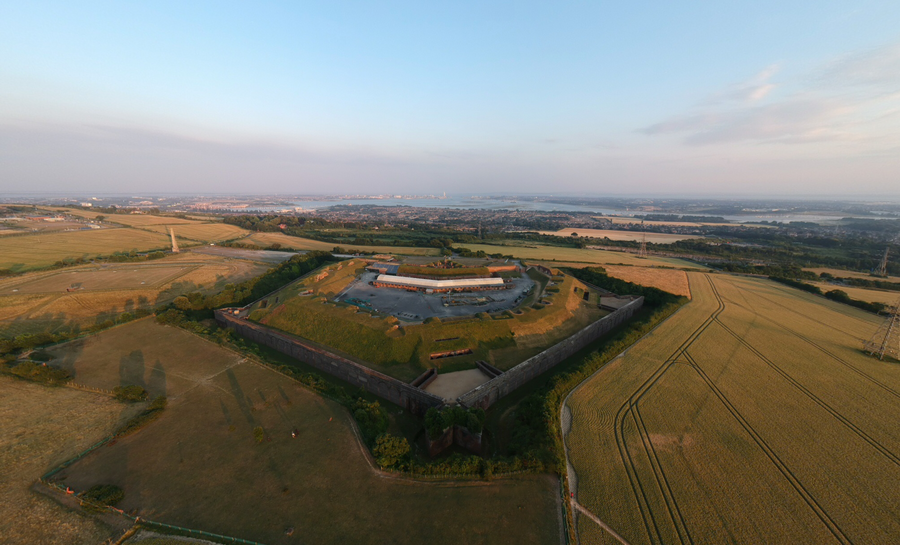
x=758 y=98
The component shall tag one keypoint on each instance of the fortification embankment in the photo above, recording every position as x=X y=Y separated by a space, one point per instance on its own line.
x=491 y=391
x=413 y=399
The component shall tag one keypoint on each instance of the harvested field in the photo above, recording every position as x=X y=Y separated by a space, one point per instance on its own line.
x=197 y=465
x=40 y=250
x=670 y=280
x=637 y=236
x=751 y=416
x=203 y=232
x=580 y=255
x=33 y=440
x=39 y=301
x=297 y=243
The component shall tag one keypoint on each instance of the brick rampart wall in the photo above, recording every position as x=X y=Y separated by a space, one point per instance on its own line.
x=413 y=399
x=488 y=393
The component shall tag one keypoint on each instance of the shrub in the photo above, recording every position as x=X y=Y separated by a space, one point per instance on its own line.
x=130 y=393
x=38 y=373
x=391 y=451
x=259 y=434
x=371 y=419
x=151 y=413
x=101 y=495
x=435 y=423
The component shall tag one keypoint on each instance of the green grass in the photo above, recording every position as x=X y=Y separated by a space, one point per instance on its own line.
x=404 y=352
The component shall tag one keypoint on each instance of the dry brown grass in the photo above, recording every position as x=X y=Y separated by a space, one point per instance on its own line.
x=198 y=463
x=756 y=421
x=669 y=280
x=203 y=232
x=41 y=427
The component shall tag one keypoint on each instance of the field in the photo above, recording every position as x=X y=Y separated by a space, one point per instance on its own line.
x=670 y=280
x=297 y=243
x=580 y=255
x=750 y=416
x=23 y=253
x=199 y=465
x=33 y=440
x=618 y=220
x=862 y=294
x=404 y=351
x=202 y=232
x=656 y=238
x=840 y=273
x=39 y=301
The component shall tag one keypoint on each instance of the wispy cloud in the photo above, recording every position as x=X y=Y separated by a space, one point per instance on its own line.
x=846 y=99
x=752 y=90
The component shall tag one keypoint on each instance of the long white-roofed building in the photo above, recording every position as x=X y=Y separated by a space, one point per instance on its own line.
x=439 y=286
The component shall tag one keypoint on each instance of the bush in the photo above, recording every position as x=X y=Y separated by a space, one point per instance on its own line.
x=435 y=423
x=130 y=393
x=148 y=415
x=38 y=373
x=101 y=495
x=371 y=419
x=391 y=451
x=259 y=434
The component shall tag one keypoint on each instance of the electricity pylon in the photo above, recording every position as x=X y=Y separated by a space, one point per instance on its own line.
x=887 y=339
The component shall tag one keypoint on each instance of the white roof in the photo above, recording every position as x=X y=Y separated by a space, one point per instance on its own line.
x=439 y=284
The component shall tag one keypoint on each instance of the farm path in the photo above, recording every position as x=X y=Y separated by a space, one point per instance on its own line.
x=735 y=420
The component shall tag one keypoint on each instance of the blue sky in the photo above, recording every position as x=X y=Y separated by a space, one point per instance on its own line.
x=728 y=98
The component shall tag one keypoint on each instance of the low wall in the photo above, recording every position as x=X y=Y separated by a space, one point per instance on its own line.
x=488 y=393
x=413 y=399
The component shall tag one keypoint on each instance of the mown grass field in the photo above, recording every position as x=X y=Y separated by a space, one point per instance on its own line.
x=38 y=301
x=199 y=465
x=535 y=252
x=41 y=427
x=297 y=243
x=24 y=253
x=750 y=416
x=202 y=232
x=403 y=351
x=656 y=238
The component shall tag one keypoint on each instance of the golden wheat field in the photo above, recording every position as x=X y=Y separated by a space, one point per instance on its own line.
x=40 y=250
x=840 y=273
x=750 y=416
x=670 y=280
x=862 y=294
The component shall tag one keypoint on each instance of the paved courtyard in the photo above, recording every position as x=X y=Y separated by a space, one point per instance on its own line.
x=417 y=306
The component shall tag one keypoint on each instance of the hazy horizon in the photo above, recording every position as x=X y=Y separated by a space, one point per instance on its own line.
x=740 y=101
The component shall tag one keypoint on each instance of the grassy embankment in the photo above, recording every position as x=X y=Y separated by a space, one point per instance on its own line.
x=404 y=351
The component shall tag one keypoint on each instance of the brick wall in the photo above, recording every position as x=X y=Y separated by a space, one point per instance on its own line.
x=488 y=393
x=413 y=399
